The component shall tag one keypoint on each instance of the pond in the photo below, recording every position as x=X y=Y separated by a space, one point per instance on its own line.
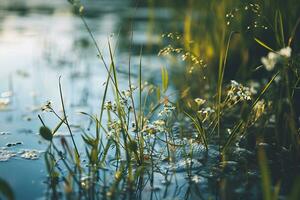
x=44 y=42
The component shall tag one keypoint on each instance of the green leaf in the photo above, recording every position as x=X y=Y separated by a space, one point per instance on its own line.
x=198 y=124
x=46 y=133
x=158 y=93
x=6 y=190
x=279 y=28
x=164 y=79
x=58 y=125
x=263 y=44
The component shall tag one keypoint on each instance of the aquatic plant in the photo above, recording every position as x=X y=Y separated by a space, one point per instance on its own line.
x=141 y=139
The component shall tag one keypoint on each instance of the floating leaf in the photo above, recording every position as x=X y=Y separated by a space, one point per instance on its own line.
x=46 y=133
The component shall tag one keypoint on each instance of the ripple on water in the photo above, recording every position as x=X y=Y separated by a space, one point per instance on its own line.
x=5 y=133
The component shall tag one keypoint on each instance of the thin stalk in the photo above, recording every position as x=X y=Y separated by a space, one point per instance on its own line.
x=222 y=65
x=65 y=116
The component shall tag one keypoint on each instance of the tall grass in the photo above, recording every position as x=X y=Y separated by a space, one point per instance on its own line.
x=223 y=116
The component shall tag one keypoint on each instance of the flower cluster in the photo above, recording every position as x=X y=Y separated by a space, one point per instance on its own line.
x=114 y=127
x=206 y=111
x=47 y=107
x=249 y=9
x=128 y=93
x=259 y=109
x=200 y=101
x=275 y=57
x=108 y=105
x=237 y=93
x=187 y=56
x=167 y=110
x=168 y=50
x=173 y=36
x=154 y=127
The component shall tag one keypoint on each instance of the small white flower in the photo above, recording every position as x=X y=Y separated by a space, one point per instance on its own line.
x=237 y=92
x=196 y=179
x=234 y=83
x=167 y=110
x=285 y=52
x=272 y=58
x=272 y=118
x=270 y=61
x=229 y=131
x=199 y=101
x=159 y=122
x=254 y=86
x=259 y=109
x=277 y=79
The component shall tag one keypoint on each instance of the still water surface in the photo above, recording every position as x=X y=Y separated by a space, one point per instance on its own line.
x=42 y=40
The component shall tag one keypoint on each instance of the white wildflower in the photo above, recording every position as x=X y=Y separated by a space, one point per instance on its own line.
x=234 y=83
x=196 y=179
x=254 y=86
x=108 y=105
x=159 y=122
x=270 y=61
x=237 y=92
x=206 y=111
x=274 y=57
x=167 y=109
x=47 y=107
x=286 y=52
x=259 y=109
x=199 y=101
x=127 y=93
x=277 y=79
x=272 y=119
x=229 y=131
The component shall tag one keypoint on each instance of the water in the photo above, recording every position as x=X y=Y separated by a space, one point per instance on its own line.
x=40 y=41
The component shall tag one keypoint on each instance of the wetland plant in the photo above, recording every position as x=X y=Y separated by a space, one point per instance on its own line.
x=147 y=138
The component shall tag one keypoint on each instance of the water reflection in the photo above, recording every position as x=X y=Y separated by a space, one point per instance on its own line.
x=40 y=41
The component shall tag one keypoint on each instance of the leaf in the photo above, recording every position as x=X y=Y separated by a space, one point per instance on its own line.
x=6 y=190
x=46 y=133
x=164 y=79
x=158 y=93
x=263 y=44
x=58 y=126
x=279 y=28
x=198 y=124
